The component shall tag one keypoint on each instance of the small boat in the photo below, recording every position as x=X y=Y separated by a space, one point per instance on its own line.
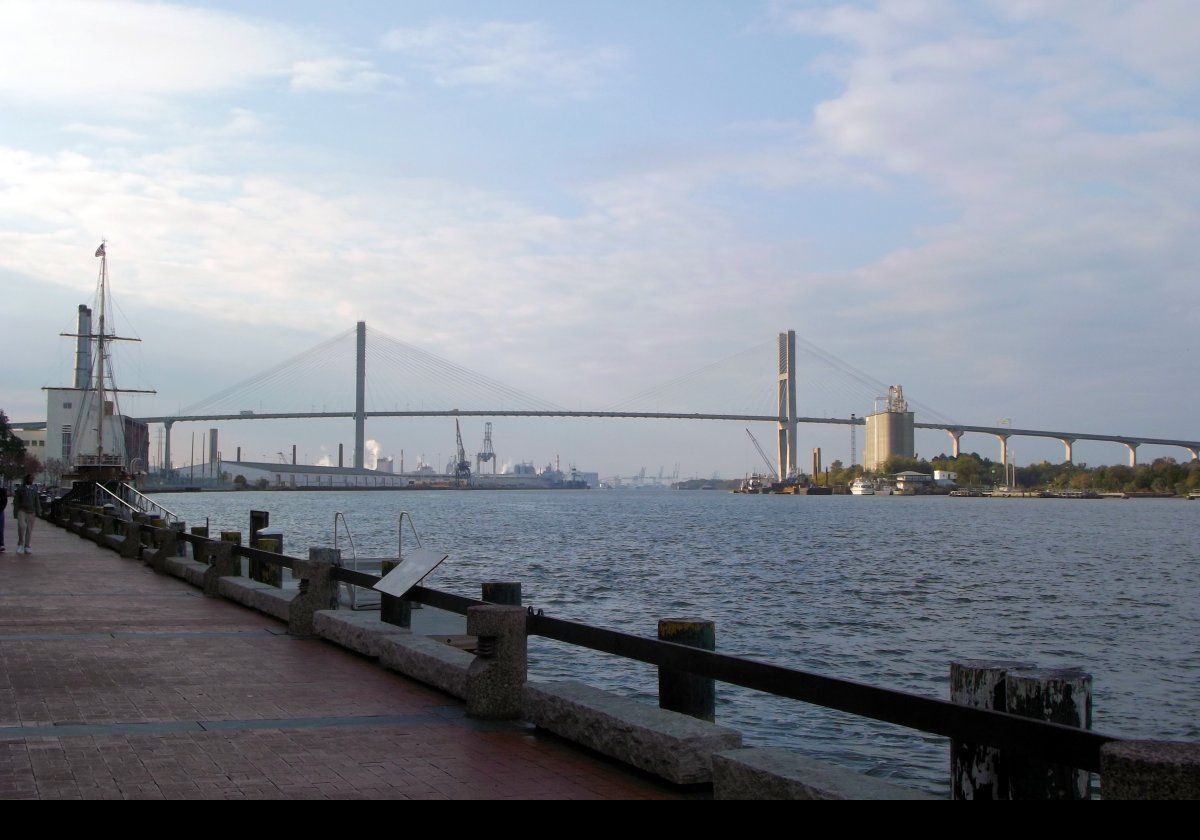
x=862 y=487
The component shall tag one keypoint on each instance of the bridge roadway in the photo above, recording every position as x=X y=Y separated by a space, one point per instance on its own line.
x=955 y=431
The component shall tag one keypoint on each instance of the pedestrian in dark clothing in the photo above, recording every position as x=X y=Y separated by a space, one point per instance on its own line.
x=3 y=505
x=25 y=509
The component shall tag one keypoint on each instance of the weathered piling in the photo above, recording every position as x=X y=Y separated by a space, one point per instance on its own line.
x=1058 y=695
x=979 y=772
x=679 y=691
x=507 y=593
x=263 y=571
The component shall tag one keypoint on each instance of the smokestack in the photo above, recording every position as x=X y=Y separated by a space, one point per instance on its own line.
x=212 y=446
x=293 y=453
x=239 y=454
x=340 y=445
x=83 y=348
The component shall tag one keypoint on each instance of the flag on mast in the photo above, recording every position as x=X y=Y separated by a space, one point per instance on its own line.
x=100 y=250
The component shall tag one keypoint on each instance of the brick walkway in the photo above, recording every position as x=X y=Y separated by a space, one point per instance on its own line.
x=119 y=683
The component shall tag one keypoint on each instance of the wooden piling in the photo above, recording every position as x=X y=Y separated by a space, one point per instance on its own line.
x=1058 y=695
x=979 y=772
x=502 y=592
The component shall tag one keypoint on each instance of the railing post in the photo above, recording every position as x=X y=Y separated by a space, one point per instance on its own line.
x=168 y=546
x=318 y=589
x=507 y=593
x=259 y=519
x=679 y=691
x=978 y=772
x=1058 y=695
x=222 y=562
x=496 y=678
x=1150 y=770
x=395 y=610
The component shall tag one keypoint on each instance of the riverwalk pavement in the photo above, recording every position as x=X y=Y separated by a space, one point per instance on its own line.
x=117 y=683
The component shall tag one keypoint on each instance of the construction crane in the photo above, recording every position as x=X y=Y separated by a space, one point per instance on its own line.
x=462 y=467
x=486 y=454
x=770 y=466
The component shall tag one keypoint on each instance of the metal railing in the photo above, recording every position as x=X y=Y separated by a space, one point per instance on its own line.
x=148 y=505
x=1055 y=743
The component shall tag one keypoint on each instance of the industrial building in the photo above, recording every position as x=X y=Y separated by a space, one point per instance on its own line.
x=889 y=432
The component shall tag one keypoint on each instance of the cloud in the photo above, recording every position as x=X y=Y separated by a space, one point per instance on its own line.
x=513 y=57
x=339 y=75
x=123 y=56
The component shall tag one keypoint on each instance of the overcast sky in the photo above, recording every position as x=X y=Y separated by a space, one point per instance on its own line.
x=992 y=203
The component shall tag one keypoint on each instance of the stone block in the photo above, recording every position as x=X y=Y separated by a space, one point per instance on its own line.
x=496 y=680
x=239 y=590
x=358 y=631
x=428 y=661
x=777 y=773
x=276 y=603
x=318 y=589
x=1150 y=770
x=673 y=746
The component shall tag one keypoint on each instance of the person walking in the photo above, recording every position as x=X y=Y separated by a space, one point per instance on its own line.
x=25 y=509
x=3 y=507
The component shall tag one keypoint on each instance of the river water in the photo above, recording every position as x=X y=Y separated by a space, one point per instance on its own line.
x=883 y=590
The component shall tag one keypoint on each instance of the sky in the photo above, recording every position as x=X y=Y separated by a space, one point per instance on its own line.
x=993 y=204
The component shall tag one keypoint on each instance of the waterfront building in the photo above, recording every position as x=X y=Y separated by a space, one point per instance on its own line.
x=889 y=432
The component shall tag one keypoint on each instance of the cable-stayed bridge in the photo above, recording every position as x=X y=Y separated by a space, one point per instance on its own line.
x=428 y=386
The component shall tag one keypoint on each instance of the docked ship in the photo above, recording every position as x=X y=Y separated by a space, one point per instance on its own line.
x=103 y=452
x=862 y=487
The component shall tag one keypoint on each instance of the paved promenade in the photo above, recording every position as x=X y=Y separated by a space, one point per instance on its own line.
x=119 y=683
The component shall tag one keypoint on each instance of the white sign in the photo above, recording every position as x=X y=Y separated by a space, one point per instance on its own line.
x=417 y=564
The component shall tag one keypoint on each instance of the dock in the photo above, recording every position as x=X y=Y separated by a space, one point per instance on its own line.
x=119 y=683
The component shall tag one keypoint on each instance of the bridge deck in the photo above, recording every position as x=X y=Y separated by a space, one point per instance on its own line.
x=119 y=683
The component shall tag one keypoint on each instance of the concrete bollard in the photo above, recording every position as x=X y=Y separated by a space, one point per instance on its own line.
x=318 y=589
x=1058 y=695
x=168 y=546
x=261 y=570
x=978 y=772
x=507 y=593
x=496 y=678
x=131 y=549
x=221 y=563
x=679 y=691
x=1150 y=770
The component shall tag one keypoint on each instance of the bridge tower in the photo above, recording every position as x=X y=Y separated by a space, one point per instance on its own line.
x=360 y=396
x=787 y=404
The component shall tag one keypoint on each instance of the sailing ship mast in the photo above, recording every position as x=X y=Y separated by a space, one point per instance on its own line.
x=101 y=466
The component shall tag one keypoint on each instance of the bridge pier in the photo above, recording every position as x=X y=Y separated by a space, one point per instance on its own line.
x=788 y=444
x=166 y=464
x=360 y=397
x=1132 y=447
x=955 y=437
x=1068 y=444
x=1003 y=449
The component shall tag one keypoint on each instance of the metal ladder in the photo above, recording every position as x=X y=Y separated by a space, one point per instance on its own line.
x=360 y=598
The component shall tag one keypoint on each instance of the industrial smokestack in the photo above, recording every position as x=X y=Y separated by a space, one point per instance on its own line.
x=83 y=348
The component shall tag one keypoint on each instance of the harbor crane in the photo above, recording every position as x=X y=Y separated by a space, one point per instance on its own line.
x=462 y=467
x=487 y=453
x=770 y=466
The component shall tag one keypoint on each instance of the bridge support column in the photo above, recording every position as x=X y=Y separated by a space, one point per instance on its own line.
x=1132 y=447
x=166 y=464
x=1003 y=449
x=360 y=397
x=955 y=437
x=787 y=404
x=1068 y=444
